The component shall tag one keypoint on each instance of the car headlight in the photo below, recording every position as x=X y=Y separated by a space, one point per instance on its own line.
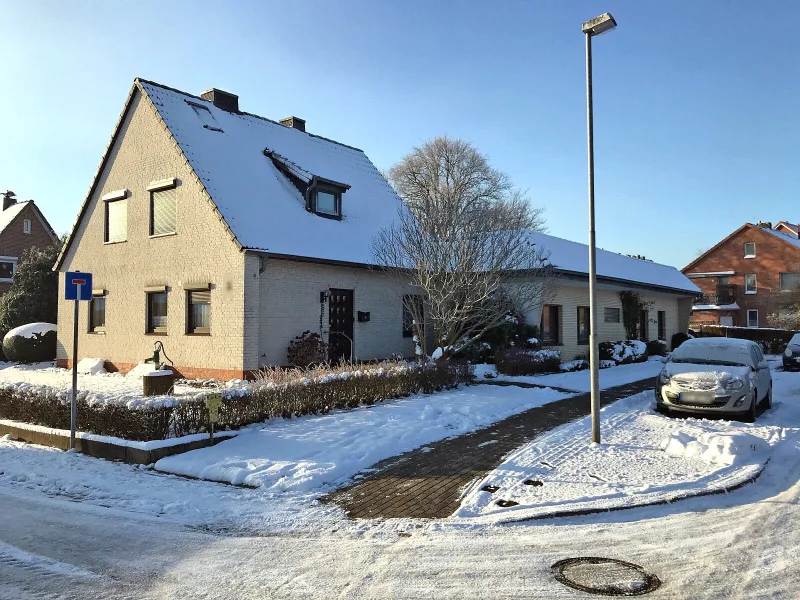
x=788 y=352
x=663 y=377
x=734 y=383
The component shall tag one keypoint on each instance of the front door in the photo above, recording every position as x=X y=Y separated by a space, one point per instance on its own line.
x=644 y=323
x=340 y=325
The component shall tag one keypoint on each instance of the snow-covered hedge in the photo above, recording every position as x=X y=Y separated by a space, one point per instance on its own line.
x=34 y=342
x=527 y=362
x=138 y=418
x=624 y=352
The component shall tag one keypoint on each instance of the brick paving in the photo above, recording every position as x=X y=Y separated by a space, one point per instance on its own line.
x=427 y=482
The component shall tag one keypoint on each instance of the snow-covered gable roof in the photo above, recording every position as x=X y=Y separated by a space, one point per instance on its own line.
x=10 y=214
x=258 y=202
x=566 y=255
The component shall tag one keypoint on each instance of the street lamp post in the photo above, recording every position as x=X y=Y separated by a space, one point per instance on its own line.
x=596 y=26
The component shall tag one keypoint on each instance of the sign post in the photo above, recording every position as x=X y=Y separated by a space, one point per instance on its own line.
x=213 y=402
x=77 y=287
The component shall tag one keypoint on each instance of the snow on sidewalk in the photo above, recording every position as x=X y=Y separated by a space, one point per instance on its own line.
x=579 y=380
x=316 y=452
x=645 y=457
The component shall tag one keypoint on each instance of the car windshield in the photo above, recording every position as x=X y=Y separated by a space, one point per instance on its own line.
x=708 y=361
x=795 y=341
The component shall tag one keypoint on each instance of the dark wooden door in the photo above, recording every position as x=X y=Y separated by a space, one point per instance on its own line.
x=340 y=324
x=644 y=321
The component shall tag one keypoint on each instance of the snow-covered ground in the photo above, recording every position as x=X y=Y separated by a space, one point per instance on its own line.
x=644 y=458
x=316 y=452
x=578 y=381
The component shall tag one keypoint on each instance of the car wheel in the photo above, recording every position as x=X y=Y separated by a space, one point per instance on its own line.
x=750 y=415
x=660 y=408
x=767 y=401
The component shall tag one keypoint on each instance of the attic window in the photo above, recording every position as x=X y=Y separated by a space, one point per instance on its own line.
x=205 y=116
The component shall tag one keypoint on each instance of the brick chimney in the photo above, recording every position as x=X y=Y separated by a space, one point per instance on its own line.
x=294 y=123
x=8 y=199
x=224 y=100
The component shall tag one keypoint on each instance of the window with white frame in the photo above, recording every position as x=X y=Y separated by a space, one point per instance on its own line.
x=8 y=266
x=26 y=226
x=116 y=221
x=163 y=212
x=752 y=318
x=749 y=249
x=750 y=283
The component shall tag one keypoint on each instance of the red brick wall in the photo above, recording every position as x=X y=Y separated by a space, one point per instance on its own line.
x=13 y=240
x=773 y=257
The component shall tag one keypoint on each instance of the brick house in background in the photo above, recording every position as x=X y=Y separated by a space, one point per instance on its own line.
x=745 y=276
x=22 y=226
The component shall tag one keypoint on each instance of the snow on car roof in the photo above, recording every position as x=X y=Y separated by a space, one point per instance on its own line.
x=714 y=348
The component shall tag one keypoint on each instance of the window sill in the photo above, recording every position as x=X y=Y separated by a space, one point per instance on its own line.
x=116 y=242
x=4 y=280
x=162 y=235
x=97 y=332
x=750 y=256
x=198 y=334
x=155 y=333
x=750 y=293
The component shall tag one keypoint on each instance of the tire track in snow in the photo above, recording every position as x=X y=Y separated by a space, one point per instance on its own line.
x=41 y=565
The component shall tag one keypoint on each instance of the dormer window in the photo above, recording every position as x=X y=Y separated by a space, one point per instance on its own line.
x=325 y=198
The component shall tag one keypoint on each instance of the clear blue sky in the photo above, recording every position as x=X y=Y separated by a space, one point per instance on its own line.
x=697 y=104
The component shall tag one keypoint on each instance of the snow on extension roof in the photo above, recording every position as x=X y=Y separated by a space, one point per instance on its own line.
x=260 y=205
x=786 y=237
x=572 y=256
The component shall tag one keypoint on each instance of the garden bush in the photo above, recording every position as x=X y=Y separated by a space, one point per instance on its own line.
x=35 y=342
x=307 y=349
x=172 y=417
x=656 y=348
x=679 y=338
x=623 y=352
x=516 y=362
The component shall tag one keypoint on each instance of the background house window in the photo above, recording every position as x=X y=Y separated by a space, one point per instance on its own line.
x=749 y=249
x=750 y=283
x=752 y=317
x=26 y=226
x=97 y=314
x=583 y=324
x=790 y=282
x=662 y=325
x=157 y=312
x=199 y=312
x=723 y=280
x=116 y=221
x=8 y=267
x=411 y=304
x=163 y=211
x=551 y=325
x=611 y=315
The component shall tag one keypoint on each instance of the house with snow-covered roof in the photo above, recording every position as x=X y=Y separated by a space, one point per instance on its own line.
x=225 y=235
x=22 y=226
x=747 y=277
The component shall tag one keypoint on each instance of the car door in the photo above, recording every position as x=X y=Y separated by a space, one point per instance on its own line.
x=763 y=376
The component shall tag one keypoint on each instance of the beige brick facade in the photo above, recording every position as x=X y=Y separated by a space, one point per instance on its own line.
x=569 y=295
x=201 y=251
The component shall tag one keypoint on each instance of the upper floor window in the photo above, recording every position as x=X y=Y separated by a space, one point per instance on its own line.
x=749 y=249
x=116 y=216
x=325 y=199
x=750 y=283
x=163 y=211
x=790 y=282
x=8 y=266
x=26 y=226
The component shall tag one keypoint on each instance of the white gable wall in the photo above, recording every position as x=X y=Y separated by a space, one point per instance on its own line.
x=201 y=251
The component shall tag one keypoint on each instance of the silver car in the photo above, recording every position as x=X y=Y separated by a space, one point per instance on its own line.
x=715 y=376
x=791 y=357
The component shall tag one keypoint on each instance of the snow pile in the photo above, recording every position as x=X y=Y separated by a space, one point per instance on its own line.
x=316 y=452
x=31 y=330
x=714 y=448
x=91 y=366
x=141 y=370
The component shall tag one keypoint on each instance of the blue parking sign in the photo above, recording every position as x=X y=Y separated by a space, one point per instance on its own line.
x=75 y=281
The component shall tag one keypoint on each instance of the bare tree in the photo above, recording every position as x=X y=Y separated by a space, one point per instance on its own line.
x=463 y=240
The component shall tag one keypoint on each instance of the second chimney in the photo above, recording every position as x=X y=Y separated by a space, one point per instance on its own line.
x=294 y=123
x=224 y=100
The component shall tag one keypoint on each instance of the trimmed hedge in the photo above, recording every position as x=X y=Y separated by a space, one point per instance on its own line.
x=527 y=362
x=772 y=341
x=51 y=408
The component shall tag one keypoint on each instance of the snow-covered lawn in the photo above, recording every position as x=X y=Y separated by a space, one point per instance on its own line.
x=644 y=458
x=578 y=381
x=316 y=452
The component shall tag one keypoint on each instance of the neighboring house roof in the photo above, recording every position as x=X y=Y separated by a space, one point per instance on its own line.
x=786 y=237
x=260 y=205
x=573 y=257
x=8 y=215
x=792 y=227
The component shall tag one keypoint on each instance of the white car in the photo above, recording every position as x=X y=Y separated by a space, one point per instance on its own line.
x=715 y=376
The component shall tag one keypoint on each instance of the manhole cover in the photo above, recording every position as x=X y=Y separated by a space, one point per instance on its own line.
x=605 y=576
